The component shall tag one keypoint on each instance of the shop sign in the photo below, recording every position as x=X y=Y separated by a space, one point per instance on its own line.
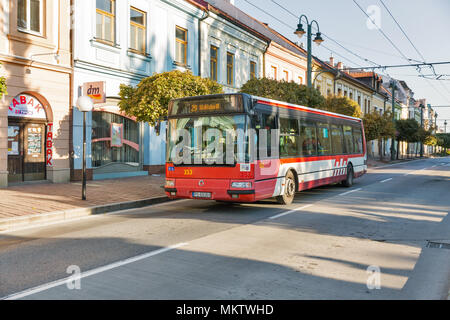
x=95 y=91
x=26 y=106
x=49 y=144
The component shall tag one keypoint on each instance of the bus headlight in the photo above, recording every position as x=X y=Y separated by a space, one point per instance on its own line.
x=241 y=185
x=170 y=183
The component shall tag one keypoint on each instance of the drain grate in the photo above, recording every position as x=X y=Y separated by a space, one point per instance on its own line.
x=438 y=245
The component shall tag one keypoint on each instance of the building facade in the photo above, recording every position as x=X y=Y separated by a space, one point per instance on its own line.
x=34 y=117
x=123 y=42
x=231 y=52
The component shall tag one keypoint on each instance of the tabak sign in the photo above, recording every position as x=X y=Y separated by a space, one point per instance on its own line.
x=26 y=106
x=49 y=145
x=95 y=91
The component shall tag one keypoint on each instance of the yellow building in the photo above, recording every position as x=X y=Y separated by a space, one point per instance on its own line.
x=332 y=79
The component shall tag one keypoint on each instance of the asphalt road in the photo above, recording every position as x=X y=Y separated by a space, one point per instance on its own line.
x=387 y=237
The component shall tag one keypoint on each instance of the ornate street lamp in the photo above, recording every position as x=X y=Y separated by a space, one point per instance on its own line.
x=84 y=104
x=318 y=40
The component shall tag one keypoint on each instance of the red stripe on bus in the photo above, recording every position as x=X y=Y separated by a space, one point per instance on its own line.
x=319 y=158
x=306 y=110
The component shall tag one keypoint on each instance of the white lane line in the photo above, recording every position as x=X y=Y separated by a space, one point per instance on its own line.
x=70 y=279
x=348 y=192
x=289 y=212
x=407 y=174
x=386 y=180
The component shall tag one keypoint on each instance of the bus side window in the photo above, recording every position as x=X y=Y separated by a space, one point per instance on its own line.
x=348 y=140
x=289 y=137
x=308 y=139
x=323 y=141
x=268 y=123
x=357 y=140
x=336 y=139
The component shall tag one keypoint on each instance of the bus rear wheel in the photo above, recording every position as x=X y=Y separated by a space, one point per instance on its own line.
x=348 y=182
x=289 y=190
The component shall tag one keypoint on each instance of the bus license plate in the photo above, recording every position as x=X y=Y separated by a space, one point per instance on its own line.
x=202 y=195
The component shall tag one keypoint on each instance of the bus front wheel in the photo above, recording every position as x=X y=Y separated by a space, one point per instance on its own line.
x=289 y=190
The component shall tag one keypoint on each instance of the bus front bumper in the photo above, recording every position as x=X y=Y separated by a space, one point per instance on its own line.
x=209 y=190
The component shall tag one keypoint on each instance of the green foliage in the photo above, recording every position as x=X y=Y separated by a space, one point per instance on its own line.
x=443 y=140
x=2 y=86
x=377 y=126
x=407 y=130
x=290 y=92
x=342 y=105
x=149 y=101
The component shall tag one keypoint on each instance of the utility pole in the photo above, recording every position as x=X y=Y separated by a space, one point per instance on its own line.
x=421 y=125
x=393 y=120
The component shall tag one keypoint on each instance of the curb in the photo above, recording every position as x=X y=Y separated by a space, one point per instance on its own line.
x=10 y=224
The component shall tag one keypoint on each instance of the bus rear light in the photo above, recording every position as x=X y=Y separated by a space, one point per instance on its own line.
x=241 y=185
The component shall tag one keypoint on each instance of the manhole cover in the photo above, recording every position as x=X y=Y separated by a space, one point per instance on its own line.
x=438 y=245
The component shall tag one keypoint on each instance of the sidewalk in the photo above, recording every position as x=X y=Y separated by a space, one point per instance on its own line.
x=374 y=163
x=18 y=202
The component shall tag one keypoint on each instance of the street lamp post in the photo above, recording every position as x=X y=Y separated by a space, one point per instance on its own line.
x=393 y=120
x=84 y=104
x=318 y=40
x=422 y=107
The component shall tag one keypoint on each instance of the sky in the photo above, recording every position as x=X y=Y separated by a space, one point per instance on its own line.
x=425 y=22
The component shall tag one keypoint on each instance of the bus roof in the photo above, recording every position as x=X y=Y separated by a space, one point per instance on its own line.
x=283 y=104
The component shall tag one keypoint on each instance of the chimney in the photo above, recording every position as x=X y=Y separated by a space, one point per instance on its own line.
x=332 y=61
x=340 y=65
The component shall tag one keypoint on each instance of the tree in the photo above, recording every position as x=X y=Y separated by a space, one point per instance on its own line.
x=149 y=101
x=378 y=127
x=407 y=131
x=2 y=86
x=342 y=105
x=290 y=92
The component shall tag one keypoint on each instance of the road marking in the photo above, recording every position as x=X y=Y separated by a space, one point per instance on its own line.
x=289 y=212
x=386 y=180
x=407 y=174
x=113 y=265
x=348 y=192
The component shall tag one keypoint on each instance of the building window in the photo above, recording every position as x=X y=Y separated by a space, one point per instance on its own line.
x=345 y=93
x=359 y=101
x=351 y=95
x=106 y=20
x=29 y=15
x=300 y=80
x=213 y=63
x=339 y=92
x=328 y=92
x=286 y=75
x=368 y=106
x=252 y=70
x=230 y=68
x=138 y=30
x=181 y=46
x=274 y=72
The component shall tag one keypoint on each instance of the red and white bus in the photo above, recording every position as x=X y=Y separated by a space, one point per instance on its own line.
x=314 y=148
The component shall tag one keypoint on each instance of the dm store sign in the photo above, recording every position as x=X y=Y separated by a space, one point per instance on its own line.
x=26 y=106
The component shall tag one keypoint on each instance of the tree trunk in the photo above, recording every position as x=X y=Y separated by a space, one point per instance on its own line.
x=398 y=148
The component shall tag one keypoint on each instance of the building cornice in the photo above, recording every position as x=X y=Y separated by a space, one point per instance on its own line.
x=34 y=64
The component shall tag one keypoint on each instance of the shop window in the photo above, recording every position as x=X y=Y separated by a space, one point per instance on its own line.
x=181 y=46
x=138 y=30
x=29 y=15
x=115 y=139
x=105 y=21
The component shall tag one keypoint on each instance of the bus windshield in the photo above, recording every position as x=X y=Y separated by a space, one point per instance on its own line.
x=208 y=140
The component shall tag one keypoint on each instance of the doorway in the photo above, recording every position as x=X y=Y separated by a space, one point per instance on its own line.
x=26 y=151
